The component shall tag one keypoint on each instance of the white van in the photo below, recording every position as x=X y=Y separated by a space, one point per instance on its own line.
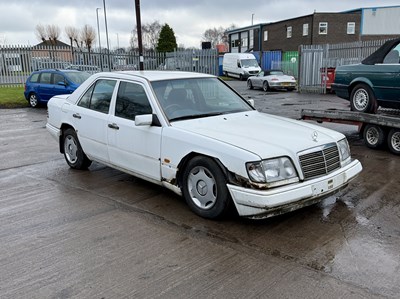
x=240 y=65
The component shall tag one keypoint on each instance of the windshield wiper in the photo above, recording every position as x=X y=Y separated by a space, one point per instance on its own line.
x=193 y=116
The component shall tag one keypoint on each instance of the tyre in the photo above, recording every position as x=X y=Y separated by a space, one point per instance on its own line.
x=394 y=141
x=374 y=136
x=362 y=99
x=265 y=86
x=204 y=188
x=33 y=100
x=249 y=84
x=73 y=152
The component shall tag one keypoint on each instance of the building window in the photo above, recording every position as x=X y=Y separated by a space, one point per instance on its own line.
x=244 y=42
x=265 y=35
x=235 y=43
x=289 y=31
x=305 y=29
x=351 y=28
x=323 y=28
x=251 y=43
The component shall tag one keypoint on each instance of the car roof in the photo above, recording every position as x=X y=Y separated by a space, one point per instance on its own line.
x=157 y=75
x=57 y=70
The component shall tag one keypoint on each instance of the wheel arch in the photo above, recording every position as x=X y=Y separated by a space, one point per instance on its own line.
x=64 y=127
x=185 y=160
x=360 y=80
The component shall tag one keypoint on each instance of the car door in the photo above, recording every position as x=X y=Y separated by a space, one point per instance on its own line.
x=91 y=119
x=60 y=85
x=386 y=78
x=45 y=88
x=258 y=79
x=131 y=147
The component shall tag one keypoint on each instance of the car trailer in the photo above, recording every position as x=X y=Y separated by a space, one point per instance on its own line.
x=376 y=129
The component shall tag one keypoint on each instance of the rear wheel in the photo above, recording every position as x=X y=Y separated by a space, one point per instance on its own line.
x=374 y=136
x=394 y=141
x=362 y=99
x=204 y=188
x=33 y=100
x=73 y=152
x=265 y=86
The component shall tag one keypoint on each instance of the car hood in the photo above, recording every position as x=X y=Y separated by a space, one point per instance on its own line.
x=262 y=134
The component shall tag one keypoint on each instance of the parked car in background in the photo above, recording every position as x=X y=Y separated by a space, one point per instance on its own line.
x=272 y=79
x=44 y=84
x=372 y=83
x=193 y=134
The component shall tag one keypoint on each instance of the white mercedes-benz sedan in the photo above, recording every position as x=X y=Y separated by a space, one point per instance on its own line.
x=195 y=135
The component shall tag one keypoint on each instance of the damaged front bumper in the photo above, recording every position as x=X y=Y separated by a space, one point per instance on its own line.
x=253 y=203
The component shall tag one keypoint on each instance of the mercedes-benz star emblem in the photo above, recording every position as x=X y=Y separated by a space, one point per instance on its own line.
x=314 y=136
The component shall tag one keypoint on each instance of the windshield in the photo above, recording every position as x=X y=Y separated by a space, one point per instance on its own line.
x=279 y=73
x=77 y=77
x=249 y=62
x=194 y=98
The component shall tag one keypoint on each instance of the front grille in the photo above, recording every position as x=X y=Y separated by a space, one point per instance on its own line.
x=253 y=72
x=320 y=162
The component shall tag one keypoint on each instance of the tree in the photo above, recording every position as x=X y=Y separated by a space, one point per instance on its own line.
x=48 y=34
x=167 y=40
x=73 y=35
x=40 y=32
x=150 y=35
x=217 y=35
x=53 y=33
x=88 y=36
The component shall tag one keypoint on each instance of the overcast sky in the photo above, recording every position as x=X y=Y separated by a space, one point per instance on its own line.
x=188 y=18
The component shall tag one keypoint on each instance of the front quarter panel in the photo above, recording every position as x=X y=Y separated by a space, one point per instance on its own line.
x=177 y=144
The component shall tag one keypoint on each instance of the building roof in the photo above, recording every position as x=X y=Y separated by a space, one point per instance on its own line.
x=48 y=43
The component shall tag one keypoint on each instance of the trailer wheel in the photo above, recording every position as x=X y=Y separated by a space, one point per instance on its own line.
x=394 y=141
x=374 y=136
x=362 y=99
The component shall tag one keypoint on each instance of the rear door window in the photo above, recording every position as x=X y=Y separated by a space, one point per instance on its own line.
x=34 y=78
x=45 y=78
x=98 y=96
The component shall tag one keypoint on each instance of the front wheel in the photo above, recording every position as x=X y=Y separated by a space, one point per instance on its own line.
x=362 y=99
x=73 y=152
x=204 y=188
x=249 y=84
x=394 y=141
x=374 y=136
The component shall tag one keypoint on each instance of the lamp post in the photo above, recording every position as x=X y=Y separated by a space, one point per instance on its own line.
x=252 y=16
x=108 y=45
x=98 y=33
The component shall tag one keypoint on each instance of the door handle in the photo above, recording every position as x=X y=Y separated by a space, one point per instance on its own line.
x=113 y=126
x=76 y=115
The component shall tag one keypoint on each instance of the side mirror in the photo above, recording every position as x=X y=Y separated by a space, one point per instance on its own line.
x=143 y=120
x=62 y=83
x=251 y=102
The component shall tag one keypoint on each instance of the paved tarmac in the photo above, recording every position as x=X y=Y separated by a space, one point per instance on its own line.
x=105 y=234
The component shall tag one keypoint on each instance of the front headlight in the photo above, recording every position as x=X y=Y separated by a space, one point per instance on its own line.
x=276 y=171
x=344 y=149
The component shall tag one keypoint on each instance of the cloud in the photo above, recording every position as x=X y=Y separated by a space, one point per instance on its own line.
x=188 y=18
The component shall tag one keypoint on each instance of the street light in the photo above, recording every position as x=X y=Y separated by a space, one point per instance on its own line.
x=98 y=33
x=98 y=28
x=108 y=45
x=252 y=16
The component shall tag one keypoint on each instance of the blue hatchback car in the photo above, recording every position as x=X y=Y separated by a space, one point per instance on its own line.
x=42 y=85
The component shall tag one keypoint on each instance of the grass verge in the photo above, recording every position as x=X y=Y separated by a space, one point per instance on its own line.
x=12 y=97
